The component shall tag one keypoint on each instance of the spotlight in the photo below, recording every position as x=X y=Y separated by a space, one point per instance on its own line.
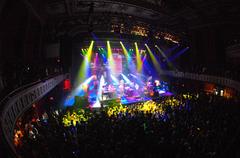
x=83 y=72
x=154 y=60
x=126 y=79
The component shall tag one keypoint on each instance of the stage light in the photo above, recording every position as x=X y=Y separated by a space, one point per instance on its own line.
x=157 y=82
x=101 y=84
x=131 y=50
x=115 y=80
x=133 y=75
x=82 y=51
x=154 y=60
x=166 y=58
x=125 y=53
x=172 y=49
x=95 y=63
x=87 y=81
x=85 y=66
x=138 y=58
x=79 y=91
x=161 y=91
x=221 y=92
x=103 y=54
x=82 y=88
x=144 y=58
x=110 y=57
x=138 y=78
x=126 y=79
x=97 y=104
x=130 y=64
x=178 y=54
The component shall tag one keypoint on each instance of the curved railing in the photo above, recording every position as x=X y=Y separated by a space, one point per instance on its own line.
x=205 y=78
x=17 y=102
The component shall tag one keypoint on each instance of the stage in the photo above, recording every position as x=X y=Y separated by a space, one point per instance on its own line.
x=127 y=75
x=98 y=91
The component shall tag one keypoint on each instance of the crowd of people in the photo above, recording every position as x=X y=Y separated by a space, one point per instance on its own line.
x=207 y=126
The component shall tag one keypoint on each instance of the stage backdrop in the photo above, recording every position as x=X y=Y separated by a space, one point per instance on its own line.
x=117 y=64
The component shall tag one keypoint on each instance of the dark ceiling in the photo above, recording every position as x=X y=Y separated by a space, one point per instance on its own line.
x=72 y=16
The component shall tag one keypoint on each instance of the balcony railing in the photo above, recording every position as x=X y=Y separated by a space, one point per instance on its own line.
x=22 y=99
x=207 y=78
x=17 y=102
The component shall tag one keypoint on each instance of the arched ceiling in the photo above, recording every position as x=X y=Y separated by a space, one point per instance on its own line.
x=176 y=16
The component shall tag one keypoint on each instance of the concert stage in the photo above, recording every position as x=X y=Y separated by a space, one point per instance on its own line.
x=127 y=75
x=126 y=93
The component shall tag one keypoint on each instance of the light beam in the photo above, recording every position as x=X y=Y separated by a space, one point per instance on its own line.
x=154 y=60
x=138 y=58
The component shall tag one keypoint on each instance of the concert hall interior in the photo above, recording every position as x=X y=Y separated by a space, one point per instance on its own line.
x=126 y=78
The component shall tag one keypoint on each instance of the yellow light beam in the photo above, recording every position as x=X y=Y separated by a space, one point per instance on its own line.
x=109 y=56
x=84 y=69
x=138 y=58
x=155 y=62
x=125 y=53
x=164 y=56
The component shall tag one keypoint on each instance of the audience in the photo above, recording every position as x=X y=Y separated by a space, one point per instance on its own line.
x=206 y=127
